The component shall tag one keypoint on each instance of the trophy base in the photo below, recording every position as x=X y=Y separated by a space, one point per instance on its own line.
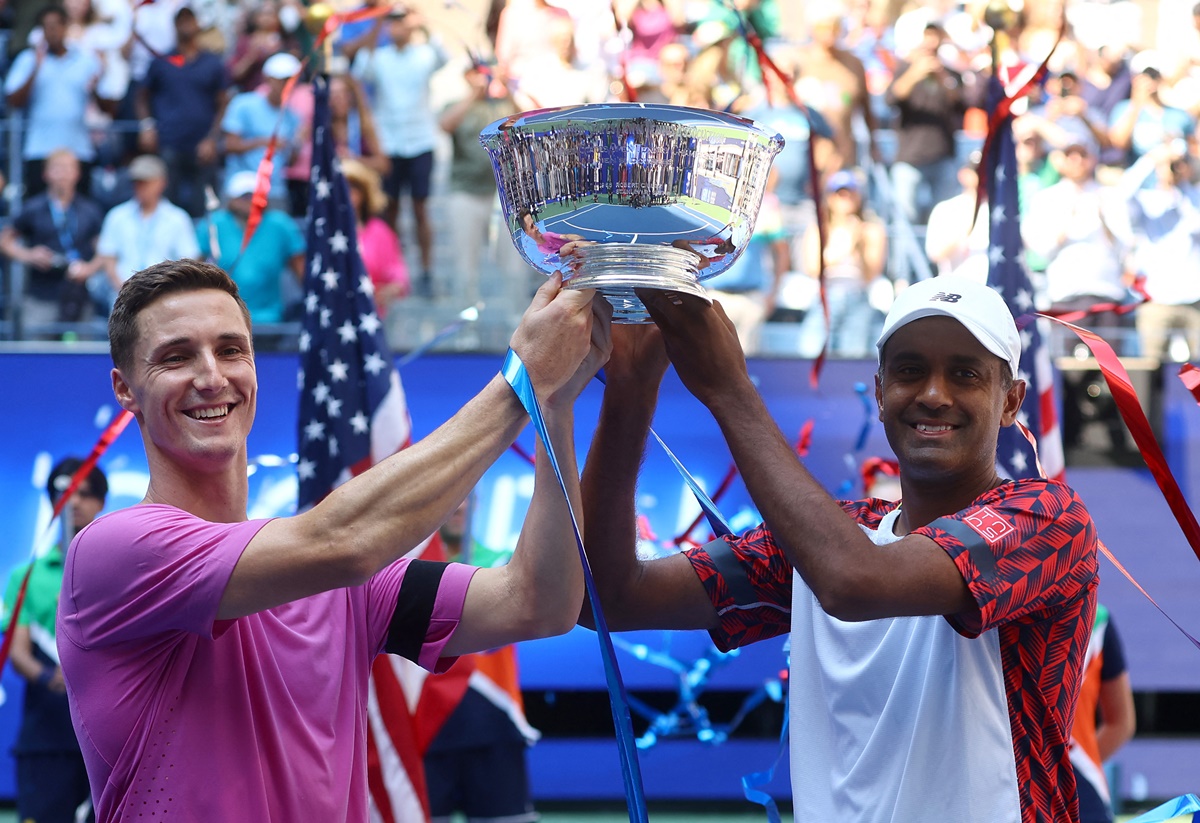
x=616 y=269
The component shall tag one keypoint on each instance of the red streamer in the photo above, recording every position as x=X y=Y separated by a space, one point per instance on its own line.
x=804 y=439
x=1143 y=435
x=723 y=487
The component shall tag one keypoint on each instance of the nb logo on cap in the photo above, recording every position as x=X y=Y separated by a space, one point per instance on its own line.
x=946 y=297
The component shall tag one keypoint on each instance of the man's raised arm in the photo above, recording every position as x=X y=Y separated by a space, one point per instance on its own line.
x=634 y=594
x=383 y=513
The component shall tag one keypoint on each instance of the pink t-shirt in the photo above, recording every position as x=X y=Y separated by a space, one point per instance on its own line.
x=183 y=717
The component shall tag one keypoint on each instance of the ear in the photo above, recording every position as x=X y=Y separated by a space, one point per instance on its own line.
x=123 y=392
x=1013 y=399
x=879 y=396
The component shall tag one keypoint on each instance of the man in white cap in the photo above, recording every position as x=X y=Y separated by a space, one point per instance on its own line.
x=250 y=119
x=143 y=230
x=275 y=252
x=936 y=642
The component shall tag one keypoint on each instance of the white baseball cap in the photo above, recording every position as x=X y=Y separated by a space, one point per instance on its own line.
x=281 y=66
x=979 y=308
x=240 y=184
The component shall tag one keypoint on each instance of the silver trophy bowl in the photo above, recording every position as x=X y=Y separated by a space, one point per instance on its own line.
x=623 y=196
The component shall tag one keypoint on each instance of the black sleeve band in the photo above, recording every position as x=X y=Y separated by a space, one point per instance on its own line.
x=981 y=555
x=731 y=571
x=414 y=607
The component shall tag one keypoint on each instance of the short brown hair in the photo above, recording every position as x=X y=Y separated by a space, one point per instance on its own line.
x=148 y=285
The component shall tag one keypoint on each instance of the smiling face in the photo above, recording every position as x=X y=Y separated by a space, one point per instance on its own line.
x=191 y=382
x=942 y=399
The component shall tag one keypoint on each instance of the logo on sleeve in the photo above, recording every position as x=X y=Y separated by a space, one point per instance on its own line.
x=990 y=526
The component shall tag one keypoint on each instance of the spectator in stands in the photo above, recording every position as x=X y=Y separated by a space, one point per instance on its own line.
x=53 y=82
x=140 y=232
x=1166 y=250
x=378 y=244
x=771 y=106
x=1106 y=82
x=1105 y=718
x=353 y=123
x=476 y=763
x=354 y=134
x=252 y=117
x=1142 y=122
x=275 y=252
x=748 y=288
x=179 y=108
x=653 y=25
x=855 y=253
x=1083 y=231
x=835 y=81
x=54 y=237
x=1034 y=173
x=956 y=239
x=931 y=99
x=528 y=30
x=52 y=782
x=399 y=72
x=1064 y=110
x=101 y=28
x=262 y=39
x=472 y=196
x=153 y=33
x=551 y=79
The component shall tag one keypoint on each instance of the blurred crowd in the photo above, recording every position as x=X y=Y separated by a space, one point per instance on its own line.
x=135 y=129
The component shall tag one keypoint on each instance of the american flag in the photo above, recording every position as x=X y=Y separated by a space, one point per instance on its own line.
x=1008 y=275
x=353 y=413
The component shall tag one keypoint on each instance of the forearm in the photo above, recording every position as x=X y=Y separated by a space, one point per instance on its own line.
x=21 y=654
x=609 y=487
x=452 y=118
x=1121 y=133
x=545 y=573
x=807 y=524
x=379 y=516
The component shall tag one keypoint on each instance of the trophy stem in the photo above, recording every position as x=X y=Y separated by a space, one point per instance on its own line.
x=616 y=269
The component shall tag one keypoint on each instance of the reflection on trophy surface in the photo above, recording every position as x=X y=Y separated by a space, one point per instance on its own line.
x=622 y=196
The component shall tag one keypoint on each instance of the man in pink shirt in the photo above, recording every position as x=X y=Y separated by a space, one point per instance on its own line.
x=217 y=667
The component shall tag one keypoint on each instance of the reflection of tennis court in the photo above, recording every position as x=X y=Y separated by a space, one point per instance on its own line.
x=622 y=224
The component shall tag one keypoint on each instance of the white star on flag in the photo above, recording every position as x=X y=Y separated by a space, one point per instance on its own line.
x=347 y=332
x=369 y=323
x=374 y=364
x=338 y=371
x=339 y=243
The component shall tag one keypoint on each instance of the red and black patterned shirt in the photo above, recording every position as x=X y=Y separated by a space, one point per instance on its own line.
x=1027 y=551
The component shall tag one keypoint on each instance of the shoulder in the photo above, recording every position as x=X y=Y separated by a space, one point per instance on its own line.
x=35 y=204
x=88 y=207
x=1027 y=518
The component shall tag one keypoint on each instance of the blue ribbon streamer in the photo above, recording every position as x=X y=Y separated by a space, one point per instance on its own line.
x=635 y=797
x=1184 y=804
x=752 y=781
